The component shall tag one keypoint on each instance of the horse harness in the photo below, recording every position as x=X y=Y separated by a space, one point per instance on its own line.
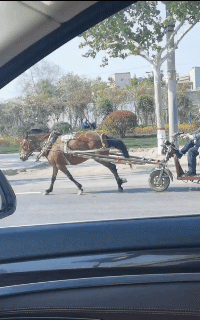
x=48 y=144
x=66 y=138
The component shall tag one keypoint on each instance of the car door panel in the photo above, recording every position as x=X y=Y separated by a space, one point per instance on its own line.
x=126 y=269
x=104 y=269
x=27 y=243
x=166 y=299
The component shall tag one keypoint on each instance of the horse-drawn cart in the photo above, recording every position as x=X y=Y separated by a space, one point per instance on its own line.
x=159 y=179
x=114 y=157
x=80 y=147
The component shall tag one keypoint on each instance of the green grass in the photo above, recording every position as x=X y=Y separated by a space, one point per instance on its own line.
x=135 y=142
x=9 y=149
x=145 y=142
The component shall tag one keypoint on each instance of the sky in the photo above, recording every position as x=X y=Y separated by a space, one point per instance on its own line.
x=69 y=58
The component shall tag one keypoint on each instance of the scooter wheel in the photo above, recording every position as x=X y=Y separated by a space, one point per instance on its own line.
x=162 y=185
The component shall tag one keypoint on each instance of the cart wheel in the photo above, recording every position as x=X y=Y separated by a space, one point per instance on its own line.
x=153 y=181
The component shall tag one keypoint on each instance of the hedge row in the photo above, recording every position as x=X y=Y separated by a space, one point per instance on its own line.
x=9 y=141
x=184 y=127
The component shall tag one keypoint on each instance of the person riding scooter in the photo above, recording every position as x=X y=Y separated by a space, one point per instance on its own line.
x=192 y=147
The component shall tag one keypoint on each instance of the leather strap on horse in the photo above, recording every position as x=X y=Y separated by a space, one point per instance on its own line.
x=103 y=140
x=48 y=144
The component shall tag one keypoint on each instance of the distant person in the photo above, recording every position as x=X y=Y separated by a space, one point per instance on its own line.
x=190 y=117
x=85 y=125
x=93 y=125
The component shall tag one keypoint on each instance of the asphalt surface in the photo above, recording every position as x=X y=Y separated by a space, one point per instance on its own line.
x=100 y=199
x=10 y=164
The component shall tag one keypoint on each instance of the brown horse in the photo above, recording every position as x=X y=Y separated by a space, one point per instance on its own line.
x=59 y=157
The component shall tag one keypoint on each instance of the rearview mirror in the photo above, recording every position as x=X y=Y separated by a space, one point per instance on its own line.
x=7 y=197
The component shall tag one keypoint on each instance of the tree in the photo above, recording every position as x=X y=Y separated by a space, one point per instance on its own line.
x=41 y=78
x=146 y=108
x=134 y=81
x=76 y=93
x=55 y=107
x=62 y=127
x=39 y=100
x=99 y=96
x=17 y=117
x=135 y=91
x=35 y=109
x=118 y=97
x=106 y=108
x=109 y=92
x=184 y=108
x=119 y=121
x=139 y=30
x=184 y=103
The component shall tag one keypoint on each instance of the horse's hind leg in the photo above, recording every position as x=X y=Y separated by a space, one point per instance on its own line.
x=53 y=179
x=113 y=169
x=68 y=174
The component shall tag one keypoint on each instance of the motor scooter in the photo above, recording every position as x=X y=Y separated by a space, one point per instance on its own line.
x=159 y=179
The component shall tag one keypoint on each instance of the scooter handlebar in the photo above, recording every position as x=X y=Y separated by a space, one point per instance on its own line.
x=177 y=134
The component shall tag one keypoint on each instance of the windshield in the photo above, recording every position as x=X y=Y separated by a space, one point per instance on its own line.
x=83 y=132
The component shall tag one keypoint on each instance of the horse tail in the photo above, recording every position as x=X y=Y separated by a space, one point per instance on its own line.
x=118 y=144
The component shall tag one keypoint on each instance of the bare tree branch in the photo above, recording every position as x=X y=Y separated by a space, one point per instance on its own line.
x=183 y=35
x=176 y=43
x=173 y=35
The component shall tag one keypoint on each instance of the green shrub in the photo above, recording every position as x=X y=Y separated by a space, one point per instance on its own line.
x=118 y=122
x=184 y=127
x=145 y=130
x=188 y=128
x=9 y=141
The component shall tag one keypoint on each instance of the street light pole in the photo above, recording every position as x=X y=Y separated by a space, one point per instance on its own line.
x=172 y=97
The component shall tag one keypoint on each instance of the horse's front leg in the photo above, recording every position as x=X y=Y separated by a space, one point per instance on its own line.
x=68 y=174
x=53 y=179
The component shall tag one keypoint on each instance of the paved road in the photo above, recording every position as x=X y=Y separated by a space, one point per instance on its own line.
x=100 y=200
x=11 y=164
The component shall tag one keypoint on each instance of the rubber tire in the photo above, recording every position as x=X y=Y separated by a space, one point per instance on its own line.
x=165 y=181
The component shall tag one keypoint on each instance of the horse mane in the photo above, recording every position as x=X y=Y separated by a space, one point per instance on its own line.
x=36 y=130
x=38 y=136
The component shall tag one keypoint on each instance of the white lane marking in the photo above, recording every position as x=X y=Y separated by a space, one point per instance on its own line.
x=28 y=192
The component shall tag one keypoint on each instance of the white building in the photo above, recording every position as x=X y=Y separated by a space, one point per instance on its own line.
x=195 y=78
x=121 y=79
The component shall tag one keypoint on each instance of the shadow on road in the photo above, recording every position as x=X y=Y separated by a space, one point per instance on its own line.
x=148 y=190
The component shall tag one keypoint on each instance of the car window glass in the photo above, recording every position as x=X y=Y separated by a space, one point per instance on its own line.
x=112 y=107
x=1 y=203
x=2 y=199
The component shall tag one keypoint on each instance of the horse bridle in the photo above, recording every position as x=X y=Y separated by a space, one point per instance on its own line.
x=27 y=148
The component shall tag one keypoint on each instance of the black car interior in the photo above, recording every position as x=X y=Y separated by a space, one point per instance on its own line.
x=108 y=270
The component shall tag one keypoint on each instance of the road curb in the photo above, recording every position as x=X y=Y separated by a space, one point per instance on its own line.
x=37 y=166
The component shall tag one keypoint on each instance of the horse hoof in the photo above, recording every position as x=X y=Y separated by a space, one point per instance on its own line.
x=45 y=193
x=120 y=189
x=124 y=180
x=80 y=192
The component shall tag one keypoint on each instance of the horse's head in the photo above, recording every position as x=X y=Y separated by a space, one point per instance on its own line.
x=26 y=148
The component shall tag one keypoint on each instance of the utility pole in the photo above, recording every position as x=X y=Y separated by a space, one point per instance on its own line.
x=172 y=97
x=159 y=109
